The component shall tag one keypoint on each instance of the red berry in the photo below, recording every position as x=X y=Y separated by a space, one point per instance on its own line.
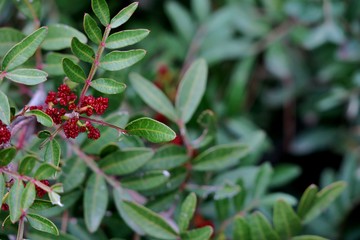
x=39 y=191
x=200 y=221
x=51 y=98
x=55 y=114
x=5 y=134
x=163 y=69
x=4 y=207
x=161 y=118
x=101 y=104
x=178 y=140
x=71 y=129
x=93 y=133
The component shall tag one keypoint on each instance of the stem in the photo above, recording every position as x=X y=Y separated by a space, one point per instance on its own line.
x=183 y=133
x=95 y=64
x=100 y=122
x=64 y=221
x=20 y=233
x=26 y=178
x=91 y=163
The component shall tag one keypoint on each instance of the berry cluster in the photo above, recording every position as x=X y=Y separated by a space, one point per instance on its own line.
x=61 y=106
x=39 y=191
x=4 y=133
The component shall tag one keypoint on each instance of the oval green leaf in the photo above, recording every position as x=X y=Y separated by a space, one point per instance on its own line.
x=28 y=196
x=307 y=200
x=14 y=201
x=4 y=108
x=118 y=60
x=42 y=224
x=73 y=71
x=22 y=51
x=95 y=201
x=146 y=181
x=260 y=228
x=203 y=233
x=108 y=86
x=125 y=162
x=191 y=89
x=41 y=117
x=7 y=155
x=126 y=38
x=187 y=212
x=8 y=38
x=324 y=198
x=241 y=228
x=167 y=157
x=123 y=15
x=45 y=171
x=150 y=222
x=101 y=11
x=92 y=30
x=60 y=36
x=27 y=165
x=82 y=51
x=151 y=130
x=27 y=76
x=52 y=153
x=220 y=157
x=286 y=222
x=153 y=96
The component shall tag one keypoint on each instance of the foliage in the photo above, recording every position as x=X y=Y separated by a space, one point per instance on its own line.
x=103 y=140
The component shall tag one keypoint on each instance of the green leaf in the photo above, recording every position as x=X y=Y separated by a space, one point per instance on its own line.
x=120 y=195
x=307 y=200
x=126 y=161
x=261 y=229
x=324 y=199
x=286 y=222
x=191 y=89
x=284 y=174
x=73 y=173
x=41 y=117
x=167 y=157
x=262 y=180
x=31 y=9
x=270 y=199
x=241 y=229
x=8 y=38
x=187 y=212
x=73 y=71
x=123 y=15
x=101 y=11
x=52 y=153
x=45 y=171
x=181 y=20
x=7 y=155
x=229 y=190
x=153 y=96
x=28 y=196
x=23 y=50
x=126 y=38
x=203 y=233
x=4 y=108
x=151 y=130
x=60 y=36
x=53 y=63
x=27 y=76
x=42 y=224
x=82 y=51
x=108 y=86
x=201 y=8
x=95 y=201
x=15 y=200
x=27 y=164
x=150 y=222
x=92 y=30
x=309 y=237
x=219 y=157
x=146 y=181
x=117 y=60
